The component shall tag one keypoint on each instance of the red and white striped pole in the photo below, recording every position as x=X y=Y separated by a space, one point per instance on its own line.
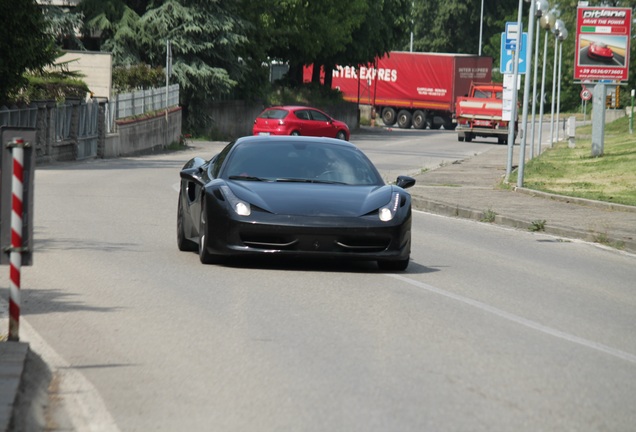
x=15 y=257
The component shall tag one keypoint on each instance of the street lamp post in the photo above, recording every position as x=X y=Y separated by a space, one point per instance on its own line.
x=526 y=94
x=547 y=22
x=481 y=25
x=563 y=34
x=515 y=75
x=631 y=117
x=541 y=8
x=558 y=25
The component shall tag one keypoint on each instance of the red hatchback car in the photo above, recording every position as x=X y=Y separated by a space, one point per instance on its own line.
x=299 y=120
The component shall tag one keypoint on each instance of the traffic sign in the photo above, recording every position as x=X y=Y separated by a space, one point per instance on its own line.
x=586 y=95
x=512 y=31
x=506 y=64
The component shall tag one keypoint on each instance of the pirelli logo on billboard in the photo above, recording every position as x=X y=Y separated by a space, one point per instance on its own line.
x=602 y=43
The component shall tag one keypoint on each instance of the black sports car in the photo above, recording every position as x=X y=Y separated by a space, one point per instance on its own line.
x=293 y=196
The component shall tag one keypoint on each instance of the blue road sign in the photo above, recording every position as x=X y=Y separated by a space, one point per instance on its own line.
x=506 y=65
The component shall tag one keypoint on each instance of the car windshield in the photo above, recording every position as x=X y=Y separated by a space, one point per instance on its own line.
x=274 y=114
x=483 y=94
x=297 y=161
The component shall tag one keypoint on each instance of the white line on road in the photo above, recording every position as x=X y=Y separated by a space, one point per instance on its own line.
x=520 y=320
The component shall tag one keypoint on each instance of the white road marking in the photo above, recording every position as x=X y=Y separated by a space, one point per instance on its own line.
x=520 y=320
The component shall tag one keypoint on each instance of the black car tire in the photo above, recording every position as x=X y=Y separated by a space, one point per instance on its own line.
x=204 y=256
x=341 y=135
x=399 y=265
x=295 y=133
x=183 y=243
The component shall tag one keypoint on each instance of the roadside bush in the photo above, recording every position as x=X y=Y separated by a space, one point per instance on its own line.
x=50 y=86
x=140 y=76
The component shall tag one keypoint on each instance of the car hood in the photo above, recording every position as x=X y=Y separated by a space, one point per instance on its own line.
x=312 y=199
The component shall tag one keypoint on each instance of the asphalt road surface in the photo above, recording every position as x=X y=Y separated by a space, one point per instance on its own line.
x=489 y=329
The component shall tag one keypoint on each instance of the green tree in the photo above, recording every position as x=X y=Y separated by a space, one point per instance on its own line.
x=206 y=37
x=385 y=24
x=454 y=25
x=62 y=24
x=24 y=43
x=326 y=32
x=118 y=27
x=299 y=31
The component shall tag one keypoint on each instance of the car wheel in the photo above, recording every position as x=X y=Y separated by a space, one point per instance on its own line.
x=204 y=256
x=295 y=133
x=388 y=116
x=341 y=135
x=399 y=265
x=468 y=137
x=182 y=242
x=419 y=119
x=460 y=138
x=404 y=119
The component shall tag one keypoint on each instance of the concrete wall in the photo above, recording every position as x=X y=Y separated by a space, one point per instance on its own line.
x=143 y=135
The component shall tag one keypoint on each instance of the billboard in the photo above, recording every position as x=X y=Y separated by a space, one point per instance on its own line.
x=602 y=43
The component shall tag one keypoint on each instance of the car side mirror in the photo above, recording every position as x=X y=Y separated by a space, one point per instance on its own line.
x=405 y=182
x=191 y=174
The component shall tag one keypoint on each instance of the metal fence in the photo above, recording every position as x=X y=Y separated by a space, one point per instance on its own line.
x=19 y=117
x=87 y=132
x=125 y=105
x=62 y=124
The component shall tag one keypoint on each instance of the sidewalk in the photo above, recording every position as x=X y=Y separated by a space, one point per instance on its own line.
x=468 y=189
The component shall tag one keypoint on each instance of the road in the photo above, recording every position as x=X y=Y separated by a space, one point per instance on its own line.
x=490 y=329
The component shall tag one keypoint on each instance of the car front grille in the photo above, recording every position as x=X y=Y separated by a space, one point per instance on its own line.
x=308 y=243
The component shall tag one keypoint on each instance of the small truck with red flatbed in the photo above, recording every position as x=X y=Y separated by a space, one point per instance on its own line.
x=480 y=114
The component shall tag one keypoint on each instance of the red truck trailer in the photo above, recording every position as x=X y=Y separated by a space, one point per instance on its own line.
x=412 y=89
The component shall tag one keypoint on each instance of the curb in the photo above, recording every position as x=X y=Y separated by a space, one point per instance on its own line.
x=13 y=360
x=444 y=209
x=575 y=200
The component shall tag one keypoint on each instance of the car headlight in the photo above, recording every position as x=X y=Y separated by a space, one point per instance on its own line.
x=241 y=208
x=388 y=212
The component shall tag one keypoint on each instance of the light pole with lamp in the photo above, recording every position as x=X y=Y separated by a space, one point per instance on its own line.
x=547 y=22
x=558 y=25
x=481 y=25
x=526 y=94
x=563 y=34
x=541 y=8
x=631 y=117
x=515 y=74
